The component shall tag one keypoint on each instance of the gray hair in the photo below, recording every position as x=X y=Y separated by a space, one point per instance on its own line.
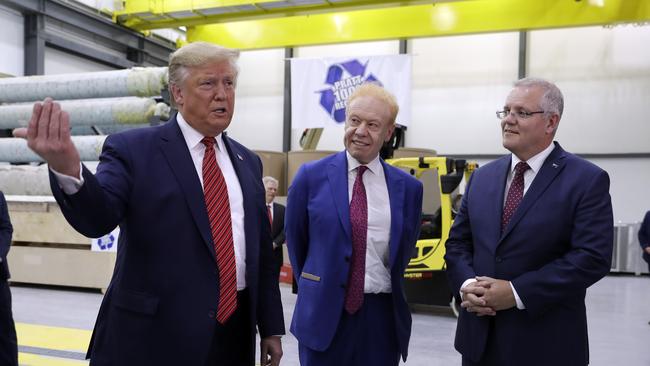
x=268 y=179
x=552 y=101
x=197 y=54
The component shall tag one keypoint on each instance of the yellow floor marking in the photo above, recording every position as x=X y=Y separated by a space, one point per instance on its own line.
x=27 y=359
x=55 y=338
x=66 y=339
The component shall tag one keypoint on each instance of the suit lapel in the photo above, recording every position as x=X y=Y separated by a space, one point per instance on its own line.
x=552 y=166
x=180 y=161
x=395 y=185
x=276 y=220
x=499 y=192
x=246 y=182
x=337 y=175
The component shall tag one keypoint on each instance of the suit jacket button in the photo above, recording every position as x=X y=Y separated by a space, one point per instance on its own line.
x=211 y=314
x=498 y=259
x=343 y=285
x=347 y=258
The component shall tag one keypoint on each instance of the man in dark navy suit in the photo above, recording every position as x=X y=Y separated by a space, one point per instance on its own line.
x=8 y=344
x=194 y=274
x=534 y=231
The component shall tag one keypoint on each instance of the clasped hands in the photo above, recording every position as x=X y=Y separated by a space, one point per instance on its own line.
x=487 y=295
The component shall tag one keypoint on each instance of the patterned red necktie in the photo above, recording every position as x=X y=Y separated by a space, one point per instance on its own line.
x=218 y=205
x=268 y=212
x=515 y=194
x=359 y=223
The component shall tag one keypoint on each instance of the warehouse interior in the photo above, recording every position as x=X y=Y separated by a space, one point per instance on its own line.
x=110 y=58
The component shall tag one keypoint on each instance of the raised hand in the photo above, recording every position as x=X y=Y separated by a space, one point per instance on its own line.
x=48 y=135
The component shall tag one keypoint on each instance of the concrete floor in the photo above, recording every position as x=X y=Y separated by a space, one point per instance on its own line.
x=617 y=308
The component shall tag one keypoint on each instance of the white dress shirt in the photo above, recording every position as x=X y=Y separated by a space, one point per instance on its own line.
x=377 y=277
x=235 y=197
x=71 y=185
x=535 y=163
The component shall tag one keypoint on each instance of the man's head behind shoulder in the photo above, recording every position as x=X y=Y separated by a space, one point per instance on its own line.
x=271 y=188
x=531 y=116
x=202 y=80
x=370 y=121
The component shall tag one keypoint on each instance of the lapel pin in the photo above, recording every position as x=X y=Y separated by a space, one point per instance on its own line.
x=239 y=156
x=555 y=165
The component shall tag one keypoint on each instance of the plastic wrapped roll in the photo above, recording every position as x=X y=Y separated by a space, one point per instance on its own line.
x=138 y=81
x=15 y=150
x=91 y=112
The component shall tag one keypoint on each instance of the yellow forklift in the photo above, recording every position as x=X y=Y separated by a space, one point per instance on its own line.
x=425 y=280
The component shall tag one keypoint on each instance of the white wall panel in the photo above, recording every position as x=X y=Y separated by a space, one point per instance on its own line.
x=629 y=179
x=11 y=42
x=332 y=138
x=59 y=62
x=605 y=77
x=259 y=106
x=458 y=84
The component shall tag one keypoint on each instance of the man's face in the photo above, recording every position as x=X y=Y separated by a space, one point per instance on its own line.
x=206 y=98
x=526 y=137
x=367 y=127
x=271 y=191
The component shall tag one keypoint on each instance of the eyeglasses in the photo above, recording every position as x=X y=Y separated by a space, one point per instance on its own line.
x=519 y=113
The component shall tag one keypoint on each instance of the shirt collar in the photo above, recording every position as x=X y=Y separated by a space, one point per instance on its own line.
x=535 y=163
x=193 y=137
x=353 y=163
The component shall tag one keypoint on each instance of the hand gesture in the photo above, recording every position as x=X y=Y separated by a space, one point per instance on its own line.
x=48 y=135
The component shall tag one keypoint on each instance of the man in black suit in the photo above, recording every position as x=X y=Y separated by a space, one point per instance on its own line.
x=8 y=345
x=275 y=211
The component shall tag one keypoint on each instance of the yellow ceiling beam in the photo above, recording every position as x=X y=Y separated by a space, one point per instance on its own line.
x=451 y=18
x=155 y=14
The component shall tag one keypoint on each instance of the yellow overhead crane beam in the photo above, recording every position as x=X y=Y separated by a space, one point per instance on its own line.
x=155 y=14
x=313 y=24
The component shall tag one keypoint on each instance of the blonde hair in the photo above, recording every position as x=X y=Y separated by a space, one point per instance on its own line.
x=198 y=54
x=371 y=89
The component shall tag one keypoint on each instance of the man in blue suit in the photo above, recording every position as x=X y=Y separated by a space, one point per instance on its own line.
x=644 y=238
x=534 y=231
x=194 y=274
x=8 y=343
x=351 y=225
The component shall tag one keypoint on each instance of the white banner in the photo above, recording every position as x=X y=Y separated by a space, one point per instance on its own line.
x=320 y=87
x=107 y=243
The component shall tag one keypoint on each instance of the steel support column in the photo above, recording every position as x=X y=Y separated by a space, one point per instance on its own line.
x=34 y=46
x=286 y=126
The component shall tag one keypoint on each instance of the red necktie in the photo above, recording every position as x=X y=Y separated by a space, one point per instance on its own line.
x=216 y=201
x=515 y=194
x=359 y=223
x=268 y=212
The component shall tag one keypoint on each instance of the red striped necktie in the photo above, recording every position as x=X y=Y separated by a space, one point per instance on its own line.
x=218 y=206
x=515 y=194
